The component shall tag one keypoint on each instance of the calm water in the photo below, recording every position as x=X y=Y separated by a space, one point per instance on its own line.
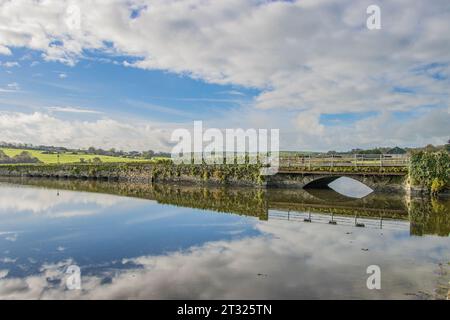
x=138 y=241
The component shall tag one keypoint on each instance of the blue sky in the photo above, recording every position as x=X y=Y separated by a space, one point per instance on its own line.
x=100 y=84
x=125 y=74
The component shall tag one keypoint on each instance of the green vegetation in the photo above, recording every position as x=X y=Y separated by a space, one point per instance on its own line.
x=65 y=157
x=430 y=170
x=20 y=157
x=242 y=201
x=150 y=154
x=430 y=217
x=157 y=170
x=251 y=202
x=222 y=174
x=395 y=150
x=426 y=216
x=350 y=169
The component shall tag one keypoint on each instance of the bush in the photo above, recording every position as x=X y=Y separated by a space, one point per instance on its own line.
x=218 y=173
x=162 y=161
x=96 y=160
x=3 y=156
x=430 y=170
x=437 y=185
x=23 y=157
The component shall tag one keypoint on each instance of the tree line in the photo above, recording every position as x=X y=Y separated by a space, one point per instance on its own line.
x=23 y=157
x=91 y=150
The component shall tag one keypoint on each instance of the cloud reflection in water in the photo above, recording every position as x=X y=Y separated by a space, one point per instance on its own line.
x=170 y=252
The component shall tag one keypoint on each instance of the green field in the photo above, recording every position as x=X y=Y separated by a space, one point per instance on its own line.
x=67 y=157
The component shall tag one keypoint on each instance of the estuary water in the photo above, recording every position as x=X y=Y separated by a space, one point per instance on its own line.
x=134 y=241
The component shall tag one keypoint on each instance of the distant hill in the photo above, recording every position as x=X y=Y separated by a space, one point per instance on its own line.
x=22 y=156
x=42 y=149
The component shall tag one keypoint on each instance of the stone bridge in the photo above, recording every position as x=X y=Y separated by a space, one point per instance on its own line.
x=379 y=172
x=383 y=182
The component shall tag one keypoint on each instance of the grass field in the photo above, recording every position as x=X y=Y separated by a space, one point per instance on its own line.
x=67 y=157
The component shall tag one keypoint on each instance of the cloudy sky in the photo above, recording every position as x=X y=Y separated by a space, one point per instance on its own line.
x=124 y=74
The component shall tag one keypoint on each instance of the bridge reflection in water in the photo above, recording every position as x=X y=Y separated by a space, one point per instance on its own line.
x=373 y=223
x=375 y=211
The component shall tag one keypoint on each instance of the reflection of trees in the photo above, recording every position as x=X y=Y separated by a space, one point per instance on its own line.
x=243 y=201
x=426 y=216
x=250 y=202
x=430 y=217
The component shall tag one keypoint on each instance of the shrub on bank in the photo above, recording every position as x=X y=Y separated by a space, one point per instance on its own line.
x=430 y=170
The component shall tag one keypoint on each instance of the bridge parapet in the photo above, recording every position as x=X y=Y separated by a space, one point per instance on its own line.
x=311 y=162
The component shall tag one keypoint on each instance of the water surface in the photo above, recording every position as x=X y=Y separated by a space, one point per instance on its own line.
x=153 y=242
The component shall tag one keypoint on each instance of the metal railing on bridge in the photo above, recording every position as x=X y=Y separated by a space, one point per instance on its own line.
x=355 y=221
x=344 y=160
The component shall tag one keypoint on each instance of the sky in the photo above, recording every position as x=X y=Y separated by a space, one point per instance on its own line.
x=125 y=74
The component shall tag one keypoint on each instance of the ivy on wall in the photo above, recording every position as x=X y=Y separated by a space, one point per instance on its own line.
x=430 y=170
x=222 y=174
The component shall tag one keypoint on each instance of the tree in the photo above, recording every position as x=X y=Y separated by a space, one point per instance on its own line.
x=396 y=150
x=148 y=154
x=430 y=148
x=96 y=160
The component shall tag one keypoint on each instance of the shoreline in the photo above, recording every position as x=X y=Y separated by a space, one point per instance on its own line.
x=212 y=175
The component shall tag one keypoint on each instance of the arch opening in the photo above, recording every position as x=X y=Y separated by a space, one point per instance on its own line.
x=344 y=186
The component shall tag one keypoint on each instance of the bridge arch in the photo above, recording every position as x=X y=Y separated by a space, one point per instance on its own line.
x=322 y=181
x=345 y=187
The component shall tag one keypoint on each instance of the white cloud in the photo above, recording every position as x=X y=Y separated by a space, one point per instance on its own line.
x=13 y=86
x=232 y=92
x=313 y=57
x=282 y=263
x=42 y=128
x=10 y=64
x=303 y=131
x=12 y=237
x=43 y=203
x=73 y=110
x=3 y=273
x=10 y=87
x=5 y=50
x=62 y=75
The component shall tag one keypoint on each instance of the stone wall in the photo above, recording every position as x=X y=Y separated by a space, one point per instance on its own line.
x=243 y=175
x=238 y=175
x=130 y=172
